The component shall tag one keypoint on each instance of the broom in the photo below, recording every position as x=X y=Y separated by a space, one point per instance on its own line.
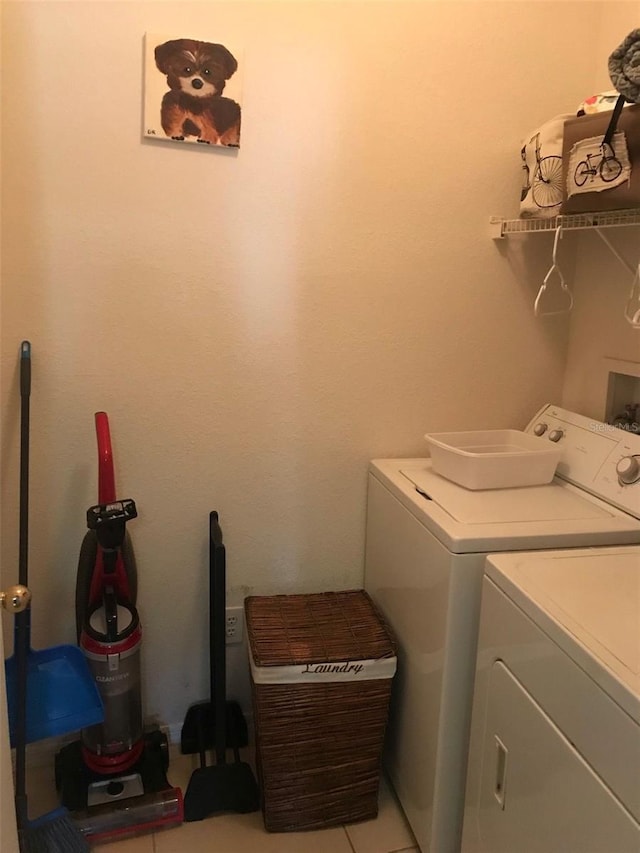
x=54 y=832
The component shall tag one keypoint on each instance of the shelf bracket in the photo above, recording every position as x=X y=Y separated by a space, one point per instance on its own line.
x=632 y=308
x=615 y=252
x=496 y=228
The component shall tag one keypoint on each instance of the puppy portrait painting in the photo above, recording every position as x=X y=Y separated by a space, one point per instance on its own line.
x=192 y=91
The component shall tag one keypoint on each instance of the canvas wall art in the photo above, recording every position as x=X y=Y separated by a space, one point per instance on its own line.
x=192 y=91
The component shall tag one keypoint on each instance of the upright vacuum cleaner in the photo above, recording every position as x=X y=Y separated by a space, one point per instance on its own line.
x=113 y=780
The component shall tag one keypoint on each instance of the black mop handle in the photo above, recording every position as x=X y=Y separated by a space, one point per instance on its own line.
x=217 y=633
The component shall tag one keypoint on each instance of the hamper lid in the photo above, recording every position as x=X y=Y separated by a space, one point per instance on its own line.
x=329 y=626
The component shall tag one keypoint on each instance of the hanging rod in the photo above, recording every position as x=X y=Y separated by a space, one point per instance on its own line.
x=501 y=228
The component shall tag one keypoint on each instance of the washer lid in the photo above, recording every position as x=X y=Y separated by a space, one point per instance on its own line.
x=557 y=515
x=588 y=601
x=553 y=502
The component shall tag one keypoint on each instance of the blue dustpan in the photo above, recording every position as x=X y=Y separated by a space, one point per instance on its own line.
x=49 y=692
x=62 y=694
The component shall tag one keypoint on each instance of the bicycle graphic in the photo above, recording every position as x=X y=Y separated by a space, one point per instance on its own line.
x=546 y=184
x=526 y=184
x=607 y=166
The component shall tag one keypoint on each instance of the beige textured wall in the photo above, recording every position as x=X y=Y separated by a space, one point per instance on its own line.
x=598 y=330
x=8 y=834
x=259 y=326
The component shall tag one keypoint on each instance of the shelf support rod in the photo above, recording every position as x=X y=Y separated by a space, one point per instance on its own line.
x=615 y=252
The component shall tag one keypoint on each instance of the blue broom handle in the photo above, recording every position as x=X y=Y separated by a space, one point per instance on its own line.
x=25 y=394
x=22 y=632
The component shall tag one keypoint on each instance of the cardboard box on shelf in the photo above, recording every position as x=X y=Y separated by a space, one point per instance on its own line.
x=625 y=194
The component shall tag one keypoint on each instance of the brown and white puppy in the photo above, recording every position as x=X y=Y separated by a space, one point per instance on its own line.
x=197 y=72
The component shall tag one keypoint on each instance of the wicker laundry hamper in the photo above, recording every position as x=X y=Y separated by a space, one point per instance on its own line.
x=321 y=672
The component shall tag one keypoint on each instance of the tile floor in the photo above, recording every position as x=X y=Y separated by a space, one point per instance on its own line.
x=229 y=833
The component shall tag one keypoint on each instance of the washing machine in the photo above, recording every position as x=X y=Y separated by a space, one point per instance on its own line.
x=554 y=757
x=426 y=543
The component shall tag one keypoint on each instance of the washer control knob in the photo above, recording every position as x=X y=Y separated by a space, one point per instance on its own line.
x=540 y=429
x=556 y=434
x=628 y=470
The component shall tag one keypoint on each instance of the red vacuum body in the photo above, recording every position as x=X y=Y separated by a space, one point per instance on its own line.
x=111 y=635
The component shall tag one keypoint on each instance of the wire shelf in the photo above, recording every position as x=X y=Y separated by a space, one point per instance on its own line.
x=501 y=228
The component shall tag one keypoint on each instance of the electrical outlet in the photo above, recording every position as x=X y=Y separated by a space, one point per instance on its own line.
x=234 y=625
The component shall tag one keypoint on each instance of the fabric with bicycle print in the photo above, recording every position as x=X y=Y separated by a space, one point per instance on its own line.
x=595 y=166
x=541 y=153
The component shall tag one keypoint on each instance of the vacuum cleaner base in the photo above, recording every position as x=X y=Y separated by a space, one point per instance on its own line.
x=147 y=813
x=78 y=785
x=115 y=806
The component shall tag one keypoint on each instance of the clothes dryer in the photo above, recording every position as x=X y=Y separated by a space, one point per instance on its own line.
x=554 y=759
x=426 y=542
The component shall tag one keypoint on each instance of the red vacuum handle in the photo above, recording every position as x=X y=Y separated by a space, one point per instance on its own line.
x=106 y=477
x=124 y=578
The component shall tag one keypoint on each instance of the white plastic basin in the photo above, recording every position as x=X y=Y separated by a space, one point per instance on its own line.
x=493 y=459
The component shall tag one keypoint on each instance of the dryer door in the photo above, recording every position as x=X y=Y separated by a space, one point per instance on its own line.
x=537 y=792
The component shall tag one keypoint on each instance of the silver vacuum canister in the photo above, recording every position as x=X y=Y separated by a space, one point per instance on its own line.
x=115 y=665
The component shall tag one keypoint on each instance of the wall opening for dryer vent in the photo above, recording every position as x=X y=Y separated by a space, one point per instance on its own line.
x=623 y=395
